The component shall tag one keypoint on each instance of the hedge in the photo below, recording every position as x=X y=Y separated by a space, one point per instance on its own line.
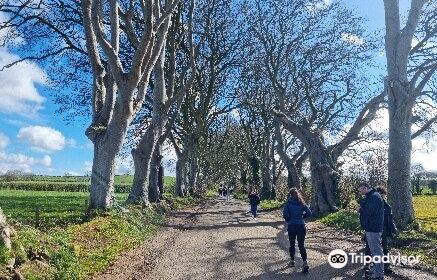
x=53 y=186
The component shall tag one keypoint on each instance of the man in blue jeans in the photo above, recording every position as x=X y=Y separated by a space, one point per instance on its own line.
x=372 y=222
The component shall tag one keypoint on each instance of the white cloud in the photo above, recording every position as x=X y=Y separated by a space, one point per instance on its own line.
x=21 y=162
x=71 y=143
x=319 y=5
x=88 y=166
x=46 y=161
x=124 y=165
x=9 y=35
x=353 y=39
x=4 y=141
x=235 y=114
x=19 y=93
x=42 y=138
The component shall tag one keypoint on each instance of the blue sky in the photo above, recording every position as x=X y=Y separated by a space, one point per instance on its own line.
x=34 y=138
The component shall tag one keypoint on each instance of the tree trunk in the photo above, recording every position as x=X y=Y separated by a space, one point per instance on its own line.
x=142 y=155
x=254 y=165
x=399 y=157
x=324 y=177
x=325 y=188
x=293 y=179
x=161 y=181
x=107 y=145
x=154 y=176
x=193 y=168
x=180 y=187
x=267 y=182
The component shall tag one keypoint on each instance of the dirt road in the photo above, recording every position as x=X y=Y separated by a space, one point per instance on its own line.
x=220 y=240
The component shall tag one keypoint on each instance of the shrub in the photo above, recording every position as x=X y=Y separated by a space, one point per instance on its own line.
x=343 y=219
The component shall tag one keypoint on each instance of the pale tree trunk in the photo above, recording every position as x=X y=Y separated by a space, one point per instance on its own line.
x=324 y=175
x=399 y=158
x=181 y=163
x=106 y=148
x=401 y=98
x=142 y=154
x=114 y=99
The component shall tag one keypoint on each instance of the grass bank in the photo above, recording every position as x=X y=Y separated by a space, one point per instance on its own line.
x=67 y=245
x=420 y=240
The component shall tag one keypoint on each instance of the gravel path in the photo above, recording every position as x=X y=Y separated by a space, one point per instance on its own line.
x=220 y=240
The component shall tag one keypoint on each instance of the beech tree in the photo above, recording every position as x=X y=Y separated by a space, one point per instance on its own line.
x=164 y=97
x=410 y=68
x=119 y=90
x=212 y=92
x=311 y=73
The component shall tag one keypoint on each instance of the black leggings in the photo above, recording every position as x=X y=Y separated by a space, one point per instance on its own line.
x=298 y=231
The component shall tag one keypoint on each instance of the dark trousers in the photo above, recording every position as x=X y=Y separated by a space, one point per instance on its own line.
x=254 y=209
x=297 y=231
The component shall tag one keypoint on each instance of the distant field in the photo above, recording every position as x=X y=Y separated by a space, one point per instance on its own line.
x=425 y=207
x=56 y=208
x=70 y=183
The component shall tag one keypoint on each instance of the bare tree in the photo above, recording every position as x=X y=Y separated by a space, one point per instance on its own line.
x=163 y=100
x=119 y=94
x=409 y=70
x=315 y=87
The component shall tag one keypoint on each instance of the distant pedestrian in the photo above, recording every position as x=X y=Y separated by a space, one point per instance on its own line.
x=372 y=222
x=228 y=193
x=221 y=190
x=389 y=230
x=253 y=201
x=295 y=210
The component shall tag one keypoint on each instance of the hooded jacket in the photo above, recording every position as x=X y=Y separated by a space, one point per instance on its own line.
x=294 y=212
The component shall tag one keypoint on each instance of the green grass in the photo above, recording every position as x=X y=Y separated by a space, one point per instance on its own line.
x=270 y=204
x=72 y=184
x=425 y=208
x=76 y=247
x=56 y=208
x=411 y=242
x=343 y=219
x=79 y=251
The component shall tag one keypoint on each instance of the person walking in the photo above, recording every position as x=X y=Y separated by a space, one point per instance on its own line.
x=295 y=210
x=253 y=201
x=389 y=231
x=372 y=222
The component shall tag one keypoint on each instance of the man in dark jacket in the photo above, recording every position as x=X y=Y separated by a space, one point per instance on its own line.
x=388 y=231
x=372 y=222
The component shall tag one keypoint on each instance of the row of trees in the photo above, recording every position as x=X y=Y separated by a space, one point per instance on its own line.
x=243 y=90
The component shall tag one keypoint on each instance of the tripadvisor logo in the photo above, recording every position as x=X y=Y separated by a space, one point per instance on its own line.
x=339 y=259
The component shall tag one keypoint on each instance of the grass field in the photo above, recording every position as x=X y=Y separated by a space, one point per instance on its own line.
x=420 y=242
x=425 y=207
x=55 y=208
x=72 y=245
x=122 y=183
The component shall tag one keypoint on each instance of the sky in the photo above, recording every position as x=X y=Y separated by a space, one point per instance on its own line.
x=35 y=139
